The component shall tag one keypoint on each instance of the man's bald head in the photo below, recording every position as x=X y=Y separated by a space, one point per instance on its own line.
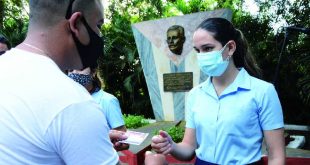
x=50 y=12
x=66 y=30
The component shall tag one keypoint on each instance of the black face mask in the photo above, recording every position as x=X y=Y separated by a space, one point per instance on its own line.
x=90 y=53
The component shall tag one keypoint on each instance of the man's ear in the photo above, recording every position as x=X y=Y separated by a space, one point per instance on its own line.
x=75 y=23
x=77 y=27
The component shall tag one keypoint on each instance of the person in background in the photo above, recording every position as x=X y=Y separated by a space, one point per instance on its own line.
x=229 y=114
x=4 y=44
x=109 y=104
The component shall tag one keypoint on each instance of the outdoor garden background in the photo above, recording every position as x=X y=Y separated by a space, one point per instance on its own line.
x=261 y=21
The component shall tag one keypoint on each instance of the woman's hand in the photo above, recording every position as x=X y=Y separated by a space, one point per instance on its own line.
x=162 y=143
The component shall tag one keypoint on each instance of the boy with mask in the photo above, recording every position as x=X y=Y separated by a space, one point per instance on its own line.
x=46 y=118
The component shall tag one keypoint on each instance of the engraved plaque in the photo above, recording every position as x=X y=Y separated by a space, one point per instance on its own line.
x=178 y=82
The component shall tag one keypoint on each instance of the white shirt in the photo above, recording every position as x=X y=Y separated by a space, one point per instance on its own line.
x=47 y=118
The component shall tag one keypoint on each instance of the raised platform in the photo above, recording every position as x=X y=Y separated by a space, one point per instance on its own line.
x=135 y=154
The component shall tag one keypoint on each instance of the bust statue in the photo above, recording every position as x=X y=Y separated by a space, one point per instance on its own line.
x=175 y=39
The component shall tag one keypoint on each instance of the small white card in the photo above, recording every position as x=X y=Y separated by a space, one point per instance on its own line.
x=134 y=137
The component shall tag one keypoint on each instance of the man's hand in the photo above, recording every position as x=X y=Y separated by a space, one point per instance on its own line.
x=115 y=137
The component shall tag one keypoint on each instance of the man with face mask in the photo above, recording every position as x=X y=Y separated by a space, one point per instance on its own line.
x=47 y=118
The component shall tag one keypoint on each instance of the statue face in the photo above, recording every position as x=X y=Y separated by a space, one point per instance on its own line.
x=175 y=41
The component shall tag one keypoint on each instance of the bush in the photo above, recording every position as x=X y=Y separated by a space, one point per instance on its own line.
x=134 y=121
x=176 y=133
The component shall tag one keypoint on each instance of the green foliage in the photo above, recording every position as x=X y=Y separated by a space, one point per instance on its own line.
x=293 y=79
x=304 y=84
x=134 y=121
x=13 y=20
x=120 y=66
x=176 y=133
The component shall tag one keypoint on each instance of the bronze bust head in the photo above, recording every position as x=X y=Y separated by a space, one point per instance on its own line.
x=175 y=39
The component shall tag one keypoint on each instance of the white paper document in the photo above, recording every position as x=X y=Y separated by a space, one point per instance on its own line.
x=134 y=137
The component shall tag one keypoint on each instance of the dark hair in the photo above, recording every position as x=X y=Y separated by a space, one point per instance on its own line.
x=177 y=27
x=96 y=81
x=5 y=41
x=223 y=31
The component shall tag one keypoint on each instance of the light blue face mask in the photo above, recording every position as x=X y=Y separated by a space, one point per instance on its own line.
x=212 y=63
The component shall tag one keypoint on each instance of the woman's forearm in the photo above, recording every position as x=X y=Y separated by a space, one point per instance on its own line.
x=182 y=151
